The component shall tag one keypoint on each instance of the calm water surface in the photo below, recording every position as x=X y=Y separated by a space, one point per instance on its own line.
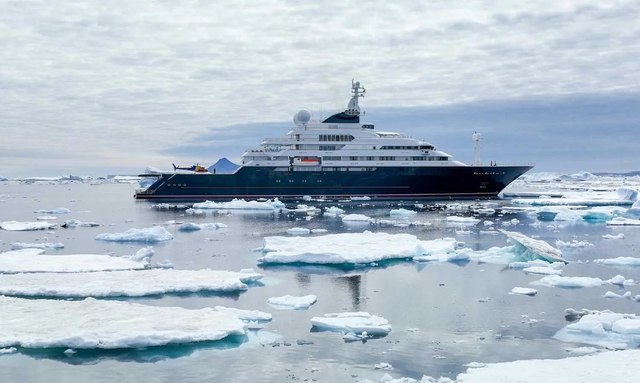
x=443 y=314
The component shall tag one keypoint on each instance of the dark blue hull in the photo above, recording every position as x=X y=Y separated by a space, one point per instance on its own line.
x=414 y=183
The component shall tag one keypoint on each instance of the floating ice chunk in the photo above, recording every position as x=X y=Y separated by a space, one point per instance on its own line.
x=246 y=315
x=619 y=261
x=568 y=282
x=32 y=261
x=189 y=226
x=543 y=270
x=333 y=211
x=70 y=223
x=535 y=262
x=356 y=218
x=241 y=204
x=46 y=218
x=535 y=248
x=91 y=323
x=298 y=231
x=611 y=236
x=621 y=221
x=402 y=212
x=610 y=367
x=523 y=291
x=7 y=351
x=45 y=246
x=619 y=280
x=603 y=328
x=383 y=366
x=462 y=220
x=291 y=302
x=60 y=210
x=26 y=226
x=363 y=198
x=612 y=295
x=152 y=234
x=318 y=231
x=627 y=194
x=127 y=283
x=352 y=248
x=357 y=322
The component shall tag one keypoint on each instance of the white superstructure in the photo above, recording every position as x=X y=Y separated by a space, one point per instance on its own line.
x=342 y=143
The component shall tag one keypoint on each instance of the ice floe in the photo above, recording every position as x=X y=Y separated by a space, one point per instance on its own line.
x=91 y=323
x=619 y=280
x=356 y=322
x=246 y=315
x=152 y=234
x=26 y=226
x=622 y=221
x=603 y=328
x=402 y=212
x=60 y=210
x=618 y=261
x=454 y=219
x=293 y=303
x=33 y=260
x=568 y=282
x=71 y=223
x=612 y=295
x=523 y=291
x=611 y=236
x=333 y=211
x=298 y=231
x=190 y=226
x=542 y=270
x=241 y=204
x=352 y=248
x=610 y=367
x=356 y=218
x=45 y=245
x=127 y=283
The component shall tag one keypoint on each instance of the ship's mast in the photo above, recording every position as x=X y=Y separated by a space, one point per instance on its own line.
x=358 y=91
x=476 y=137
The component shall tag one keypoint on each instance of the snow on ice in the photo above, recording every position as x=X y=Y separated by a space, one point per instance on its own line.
x=128 y=283
x=293 y=303
x=26 y=226
x=523 y=291
x=91 y=323
x=152 y=234
x=356 y=322
x=351 y=248
x=33 y=260
x=241 y=204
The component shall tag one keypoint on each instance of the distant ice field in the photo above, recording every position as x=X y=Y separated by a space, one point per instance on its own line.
x=323 y=290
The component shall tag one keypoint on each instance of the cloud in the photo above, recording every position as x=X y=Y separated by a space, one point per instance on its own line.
x=110 y=84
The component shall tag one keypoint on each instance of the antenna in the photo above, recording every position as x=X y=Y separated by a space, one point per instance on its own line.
x=476 y=138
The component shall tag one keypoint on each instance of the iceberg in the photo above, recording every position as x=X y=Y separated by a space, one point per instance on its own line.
x=534 y=247
x=26 y=226
x=152 y=234
x=402 y=212
x=356 y=322
x=95 y=324
x=622 y=221
x=291 y=302
x=333 y=211
x=33 y=261
x=350 y=248
x=126 y=283
x=356 y=218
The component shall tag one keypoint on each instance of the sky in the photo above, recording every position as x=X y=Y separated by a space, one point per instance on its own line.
x=112 y=87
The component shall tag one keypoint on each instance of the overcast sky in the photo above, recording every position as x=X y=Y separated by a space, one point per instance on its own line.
x=103 y=87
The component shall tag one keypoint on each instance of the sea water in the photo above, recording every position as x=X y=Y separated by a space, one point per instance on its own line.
x=443 y=314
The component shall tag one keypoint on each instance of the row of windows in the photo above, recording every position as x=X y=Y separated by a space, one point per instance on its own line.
x=404 y=147
x=382 y=158
x=335 y=137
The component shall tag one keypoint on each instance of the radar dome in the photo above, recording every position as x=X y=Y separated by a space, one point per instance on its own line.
x=302 y=117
